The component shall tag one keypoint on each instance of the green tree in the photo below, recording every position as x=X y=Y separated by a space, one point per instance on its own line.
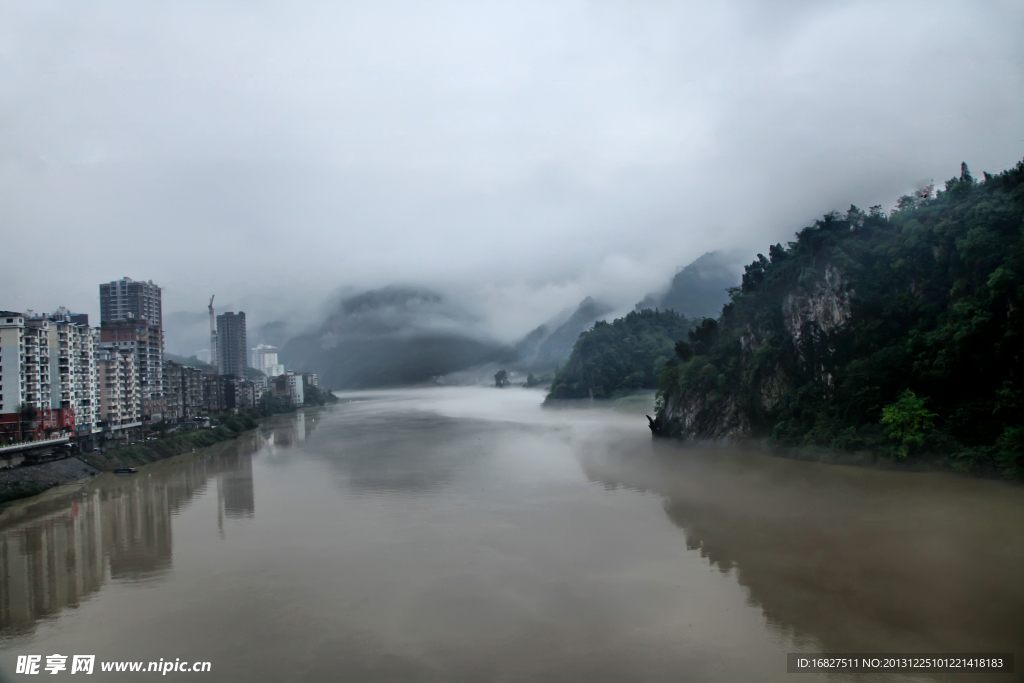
x=907 y=420
x=531 y=380
x=500 y=379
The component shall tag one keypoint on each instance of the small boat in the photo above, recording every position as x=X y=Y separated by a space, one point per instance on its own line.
x=125 y=470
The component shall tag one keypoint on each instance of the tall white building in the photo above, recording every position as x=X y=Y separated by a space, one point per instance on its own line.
x=72 y=366
x=12 y=357
x=264 y=359
x=33 y=379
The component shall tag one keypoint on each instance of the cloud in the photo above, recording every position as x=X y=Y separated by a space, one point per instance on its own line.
x=515 y=156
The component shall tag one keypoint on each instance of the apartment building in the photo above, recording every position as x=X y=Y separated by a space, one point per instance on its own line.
x=231 y=345
x=146 y=342
x=131 y=316
x=289 y=385
x=120 y=407
x=30 y=387
x=72 y=366
x=183 y=388
x=264 y=359
x=128 y=299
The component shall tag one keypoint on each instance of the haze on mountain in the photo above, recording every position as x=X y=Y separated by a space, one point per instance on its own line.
x=393 y=336
x=512 y=157
x=700 y=289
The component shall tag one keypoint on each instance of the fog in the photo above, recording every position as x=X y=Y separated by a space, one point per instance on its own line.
x=514 y=157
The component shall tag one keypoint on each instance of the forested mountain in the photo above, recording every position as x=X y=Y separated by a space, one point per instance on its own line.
x=901 y=334
x=620 y=356
x=391 y=336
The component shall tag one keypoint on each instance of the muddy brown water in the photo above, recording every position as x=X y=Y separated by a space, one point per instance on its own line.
x=467 y=534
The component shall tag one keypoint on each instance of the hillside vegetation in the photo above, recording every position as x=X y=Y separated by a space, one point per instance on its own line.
x=899 y=334
x=625 y=355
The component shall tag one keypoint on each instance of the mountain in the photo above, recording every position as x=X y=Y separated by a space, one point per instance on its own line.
x=621 y=356
x=902 y=335
x=191 y=361
x=390 y=337
x=543 y=350
x=699 y=289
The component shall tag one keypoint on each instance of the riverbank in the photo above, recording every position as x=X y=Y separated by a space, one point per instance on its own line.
x=161 y=449
x=23 y=482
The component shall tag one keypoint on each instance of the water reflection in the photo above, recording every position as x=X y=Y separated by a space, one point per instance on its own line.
x=859 y=560
x=380 y=454
x=56 y=553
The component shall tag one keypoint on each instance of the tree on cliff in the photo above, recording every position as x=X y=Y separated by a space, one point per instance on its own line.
x=501 y=379
x=825 y=332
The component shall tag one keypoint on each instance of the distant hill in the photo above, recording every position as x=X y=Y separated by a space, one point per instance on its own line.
x=699 y=290
x=391 y=337
x=621 y=356
x=191 y=361
x=551 y=345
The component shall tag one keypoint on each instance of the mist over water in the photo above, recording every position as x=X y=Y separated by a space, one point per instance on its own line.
x=464 y=534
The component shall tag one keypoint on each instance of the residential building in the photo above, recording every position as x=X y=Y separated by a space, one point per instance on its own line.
x=72 y=366
x=183 y=389
x=310 y=379
x=231 y=345
x=120 y=407
x=127 y=299
x=146 y=342
x=131 y=316
x=215 y=392
x=264 y=358
x=12 y=355
x=289 y=385
x=241 y=394
x=26 y=412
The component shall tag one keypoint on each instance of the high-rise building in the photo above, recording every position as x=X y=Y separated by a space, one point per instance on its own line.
x=131 y=317
x=128 y=299
x=146 y=342
x=264 y=359
x=72 y=366
x=29 y=385
x=120 y=407
x=231 y=347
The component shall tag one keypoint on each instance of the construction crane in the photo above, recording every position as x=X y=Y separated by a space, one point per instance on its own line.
x=213 y=336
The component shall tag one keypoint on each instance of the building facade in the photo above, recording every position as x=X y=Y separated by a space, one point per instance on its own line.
x=264 y=359
x=26 y=400
x=72 y=366
x=128 y=299
x=232 y=355
x=289 y=385
x=145 y=341
x=183 y=387
x=131 y=316
x=120 y=407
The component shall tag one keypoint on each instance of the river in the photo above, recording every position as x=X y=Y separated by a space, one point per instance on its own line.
x=467 y=534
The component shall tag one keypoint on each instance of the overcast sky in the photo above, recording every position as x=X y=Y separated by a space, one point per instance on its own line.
x=516 y=156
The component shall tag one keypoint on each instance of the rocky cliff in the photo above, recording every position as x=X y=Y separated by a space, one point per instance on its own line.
x=811 y=314
x=869 y=320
